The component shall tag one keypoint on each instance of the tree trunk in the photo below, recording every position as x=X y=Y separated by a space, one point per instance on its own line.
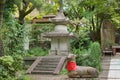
x=21 y=19
x=95 y=30
x=2 y=3
x=1 y=11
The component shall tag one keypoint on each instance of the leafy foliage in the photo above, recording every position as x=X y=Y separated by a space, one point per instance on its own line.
x=36 y=51
x=90 y=57
x=23 y=77
x=9 y=66
x=37 y=34
x=95 y=11
x=25 y=7
x=64 y=71
x=9 y=5
x=50 y=8
x=12 y=36
x=95 y=54
x=82 y=41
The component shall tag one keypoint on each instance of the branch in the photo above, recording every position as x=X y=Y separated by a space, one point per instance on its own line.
x=93 y=24
x=25 y=5
x=30 y=10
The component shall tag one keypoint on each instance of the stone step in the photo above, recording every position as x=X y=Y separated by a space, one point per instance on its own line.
x=50 y=59
x=41 y=72
x=44 y=69
x=47 y=66
x=48 y=63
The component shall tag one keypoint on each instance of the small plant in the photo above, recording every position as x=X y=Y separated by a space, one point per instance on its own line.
x=23 y=77
x=64 y=71
x=37 y=51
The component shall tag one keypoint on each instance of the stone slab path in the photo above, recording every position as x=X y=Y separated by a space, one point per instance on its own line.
x=110 y=68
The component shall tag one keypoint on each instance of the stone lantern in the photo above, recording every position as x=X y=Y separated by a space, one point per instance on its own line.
x=60 y=36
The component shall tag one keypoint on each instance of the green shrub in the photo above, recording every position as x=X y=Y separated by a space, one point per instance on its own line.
x=90 y=57
x=12 y=37
x=95 y=54
x=82 y=57
x=9 y=66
